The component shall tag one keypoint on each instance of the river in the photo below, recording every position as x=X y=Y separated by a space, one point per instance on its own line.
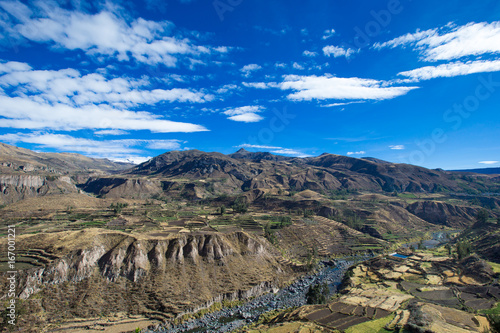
x=294 y=295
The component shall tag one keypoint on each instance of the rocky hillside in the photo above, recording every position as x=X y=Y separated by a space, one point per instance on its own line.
x=25 y=173
x=16 y=187
x=15 y=159
x=97 y=273
x=443 y=213
x=244 y=170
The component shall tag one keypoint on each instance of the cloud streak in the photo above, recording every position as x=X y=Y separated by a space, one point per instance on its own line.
x=329 y=87
x=451 y=42
x=451 y=69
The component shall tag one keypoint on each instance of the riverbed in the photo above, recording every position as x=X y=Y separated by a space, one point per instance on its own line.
x=294 y=295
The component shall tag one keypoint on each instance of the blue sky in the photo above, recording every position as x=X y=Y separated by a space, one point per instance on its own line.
x=405 y=81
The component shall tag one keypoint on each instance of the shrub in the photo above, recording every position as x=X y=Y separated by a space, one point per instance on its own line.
x=318 y=294
x=240 y=206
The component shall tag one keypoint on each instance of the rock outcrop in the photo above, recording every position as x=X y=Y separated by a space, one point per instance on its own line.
x=15 y=187
x=443 y=213
x=171 y=276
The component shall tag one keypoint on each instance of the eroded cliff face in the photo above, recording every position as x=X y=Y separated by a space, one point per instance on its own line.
x=116 y=272
x=443 y=213
x=15 y=187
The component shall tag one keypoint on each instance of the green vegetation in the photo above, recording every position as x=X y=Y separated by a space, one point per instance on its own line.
x=277 y=222
x=494 y=266
x=372 y=326
x=482 y=217
x=464 y=248
x=318 y=294
x=240 y=206
x=117 y=208
x=352 y=220
x=269 y=234
x=494 y=320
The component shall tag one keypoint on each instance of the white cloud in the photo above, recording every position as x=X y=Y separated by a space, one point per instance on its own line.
x=275 y=150
x=248 y=69
x=68 y=86
x=337 y=51
x=328 y=33
x=488 y=162
x=162 y=144
x=260 y=85
x=104 y=33
x=280 y=65
x=246 y=118
x=13 y=66
x=330 y=87
x=127 y=150
x=309 y=53
x=451 y=42
x=340 y=104
x=451 y=69
x=67 y=100
x=409 y=38
x=227 y=88
x=19 y=112
x=397 y=147
x=298 y=66
x=246 y=114
x=111 y=132
x=361 y=152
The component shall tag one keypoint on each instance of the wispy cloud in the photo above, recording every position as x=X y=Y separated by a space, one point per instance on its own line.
x=227 y=88
x=275 y=150
x=247 y=70
x=361 y=152
x=246 y=114
x=451 y=69
x=260 y=85
x=105 y=33
x=397 y=147
x=330 y=87
x=341 y=104
x=488 y=162
x=451 y=42
x=328 y=34
x=310 y=54
x=110 y=132
x=338 y=51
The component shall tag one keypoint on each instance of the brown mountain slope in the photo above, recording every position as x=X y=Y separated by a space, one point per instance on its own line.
x=15 y=159
x=323 y=173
